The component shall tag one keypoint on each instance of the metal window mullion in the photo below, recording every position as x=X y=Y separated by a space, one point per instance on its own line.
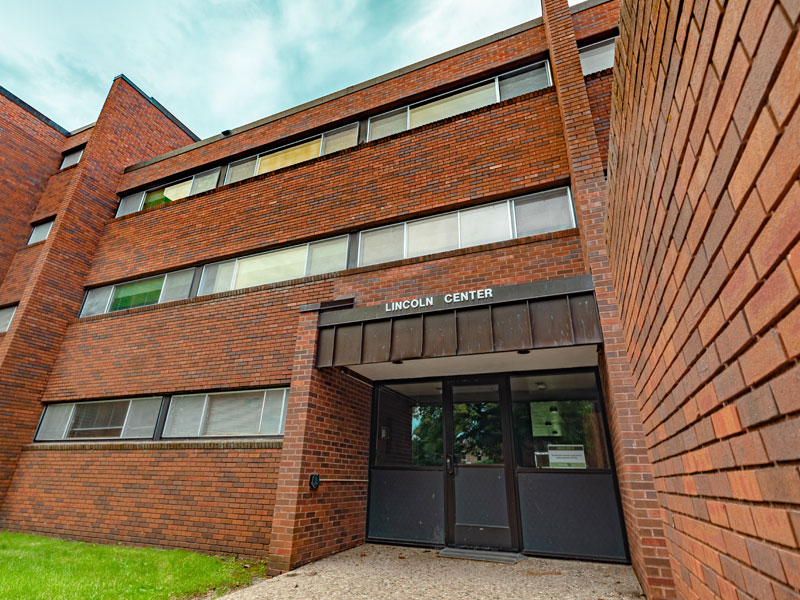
x=497 y=88
x=125 y=420
x=405 y=239
x=512 y=218
x=549 y=74
x=322 y=144
x=69 y=421
x=572 y=207
x=110 y=299
x=263 y=404
x=234 y=273
x=284 y=409
x=458 y=219
x=308 y=259
x=408 y=117
x=163 y=285
x=202 y=416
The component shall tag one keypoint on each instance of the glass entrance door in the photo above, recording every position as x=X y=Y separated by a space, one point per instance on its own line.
x=479 y=486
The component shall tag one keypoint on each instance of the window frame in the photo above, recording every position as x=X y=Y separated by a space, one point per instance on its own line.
x=612 y=40
x=79 y=151
x=13 y=308
x=48 y=222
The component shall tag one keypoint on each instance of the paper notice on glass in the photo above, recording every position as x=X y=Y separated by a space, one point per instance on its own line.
x=563 y=456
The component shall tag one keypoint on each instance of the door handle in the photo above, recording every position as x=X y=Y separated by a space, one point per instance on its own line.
x=449 y=463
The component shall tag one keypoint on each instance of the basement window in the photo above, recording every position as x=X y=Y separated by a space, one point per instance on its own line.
x=131 y=418
x=6 y=314
x=72 y=157
x=225 y=414
x=40 y=232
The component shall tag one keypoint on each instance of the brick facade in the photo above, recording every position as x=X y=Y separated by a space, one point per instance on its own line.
x=689 y=247
x=703 y=224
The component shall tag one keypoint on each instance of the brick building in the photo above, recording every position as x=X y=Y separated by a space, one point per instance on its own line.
x=507 y=298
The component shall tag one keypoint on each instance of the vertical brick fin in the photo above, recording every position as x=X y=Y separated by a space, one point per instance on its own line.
x=129 y=128
x=327 y=432
x=703 y=231
x=637 y=490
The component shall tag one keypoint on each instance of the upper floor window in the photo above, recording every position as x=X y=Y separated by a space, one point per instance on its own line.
x=142 y=292
x=40 y=232
x=500 y=88
x=126 y=418
x=6 y=314
x=71 y=158
x=597 y=57
x=201 y=182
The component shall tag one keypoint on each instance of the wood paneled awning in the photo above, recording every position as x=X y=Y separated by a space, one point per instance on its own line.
x=546 y=314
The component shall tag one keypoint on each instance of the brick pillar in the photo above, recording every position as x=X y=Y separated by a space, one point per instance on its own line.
x=327 y=432
x=643 y=516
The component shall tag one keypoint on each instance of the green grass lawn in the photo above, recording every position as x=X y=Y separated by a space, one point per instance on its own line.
x=33 y=567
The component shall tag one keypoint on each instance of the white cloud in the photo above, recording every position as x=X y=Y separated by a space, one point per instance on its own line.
x=220 y=64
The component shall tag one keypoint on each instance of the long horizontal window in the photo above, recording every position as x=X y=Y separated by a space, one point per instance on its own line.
x=221 y=414
x=259 y=412
x=499 y=88
x=520 y=217
x=128 y=418
x=6 y=314
x=490 y=91
x=597 y=57
x=201 y=182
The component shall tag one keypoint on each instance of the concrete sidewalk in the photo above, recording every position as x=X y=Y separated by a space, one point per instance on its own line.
x=384 y=572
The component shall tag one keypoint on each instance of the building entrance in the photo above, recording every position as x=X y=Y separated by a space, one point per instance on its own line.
x=506 y=462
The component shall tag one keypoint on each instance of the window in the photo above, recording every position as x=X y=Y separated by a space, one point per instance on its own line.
x=286 y=157
x=339 y=139
x=129 y=418
x=71 y=158
x=509 y=85
x=527 y=215
x=258 y=412
x=6 y=314
x=40 y=232
x=597 y=57
x=279 y=265
x=241 y=170
x=202 y=182
x=176 y=285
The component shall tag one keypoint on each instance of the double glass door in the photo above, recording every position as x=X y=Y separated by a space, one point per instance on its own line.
x=505 y=462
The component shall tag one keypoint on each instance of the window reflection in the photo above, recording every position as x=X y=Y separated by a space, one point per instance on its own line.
x=409 y=429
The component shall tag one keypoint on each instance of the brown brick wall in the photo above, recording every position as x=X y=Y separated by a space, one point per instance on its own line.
x=246 y=338
x=703 y=226
x=31 y=152
x=465 y=159
x=204 y=496
x=598 y=87
x=16 y=278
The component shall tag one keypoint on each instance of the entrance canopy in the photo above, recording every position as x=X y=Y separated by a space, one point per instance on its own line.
x=431 y=331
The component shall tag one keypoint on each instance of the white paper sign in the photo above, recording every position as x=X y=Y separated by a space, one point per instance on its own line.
x=563 y=456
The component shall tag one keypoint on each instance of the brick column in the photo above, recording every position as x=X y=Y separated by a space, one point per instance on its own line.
x=643 y=516
x=327 y=432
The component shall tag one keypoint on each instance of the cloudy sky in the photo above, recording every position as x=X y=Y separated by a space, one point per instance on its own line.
x=218 y=64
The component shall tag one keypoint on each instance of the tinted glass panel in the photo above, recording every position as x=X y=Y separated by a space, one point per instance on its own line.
x=409 y=431
x=388 y=124
x=155 y=198
x=185 y=415
x=381 y=245
x=477 y=427
x=177 y=286
x=557 y=422
x=274 y=266
x=54 y=422
x=178 y=190
x=346 y=137
x=453 y=105
x=522 y=83
x=435 y=234
x=289 y=156
x=137 y=293
x=96 y=301
x=241 y=170
x=98 y=419
x=205 y=181
x=327 y=256
x=216 y=278
x=130 y=204
x=40 y=232
x=142 y=418
x=485 y=225
x=234 y=414
x=544 y=212
x=597 y=57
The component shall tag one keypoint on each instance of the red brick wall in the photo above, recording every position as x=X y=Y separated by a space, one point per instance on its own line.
x=246 y=338
x=17 y=275
x=327 y=432
x=205 y=496
x=703 y=225
x=31 y=152
x=465 y=159
x=598 y=87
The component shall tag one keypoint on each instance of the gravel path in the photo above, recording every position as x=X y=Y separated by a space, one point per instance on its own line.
x=384 y=572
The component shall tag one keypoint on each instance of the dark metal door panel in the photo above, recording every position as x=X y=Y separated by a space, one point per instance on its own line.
x=481 y=515
x=407 y=505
